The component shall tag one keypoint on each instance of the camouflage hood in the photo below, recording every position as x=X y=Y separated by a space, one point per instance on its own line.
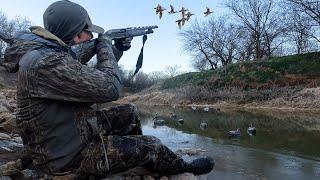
x=28 y=41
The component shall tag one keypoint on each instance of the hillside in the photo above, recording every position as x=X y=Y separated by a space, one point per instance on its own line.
x=284 y=71
x=283 y=82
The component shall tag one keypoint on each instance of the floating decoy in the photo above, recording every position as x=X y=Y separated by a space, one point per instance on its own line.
x=235 y=133
x=181 y=121
x=159 y=9
x=208 y=12
x=204 y=125
x=172 y=11
x=157 y=121
x=252 y=130
x=155 y=117
x=173 y=116
x=189 y=14
x=206 y=109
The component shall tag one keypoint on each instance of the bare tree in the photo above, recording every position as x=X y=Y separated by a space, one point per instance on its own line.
x=157 y=76
x=194 y=43
x=172 y=71
x=312 y=9
x=300 y=29
x=9 y=27
x=222 y=38
x=255 y=16
x=200 y=64
x=215 y=42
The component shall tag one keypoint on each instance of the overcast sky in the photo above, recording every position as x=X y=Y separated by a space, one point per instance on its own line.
x=162 y=48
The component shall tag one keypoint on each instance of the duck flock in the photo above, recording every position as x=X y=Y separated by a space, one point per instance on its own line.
x=185 y=14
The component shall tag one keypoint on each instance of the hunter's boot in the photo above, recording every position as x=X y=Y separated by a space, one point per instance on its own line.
x=201 y=166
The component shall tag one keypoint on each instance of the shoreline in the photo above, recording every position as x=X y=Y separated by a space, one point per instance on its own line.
x=227 y=106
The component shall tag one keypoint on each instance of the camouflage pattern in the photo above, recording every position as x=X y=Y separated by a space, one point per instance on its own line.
x=59 y=127
x=54 y=95
x=126 y=148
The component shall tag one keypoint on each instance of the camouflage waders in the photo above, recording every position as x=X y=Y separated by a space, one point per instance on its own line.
x=126 y=148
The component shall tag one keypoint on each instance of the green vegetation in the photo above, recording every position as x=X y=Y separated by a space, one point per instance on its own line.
x=288 y=70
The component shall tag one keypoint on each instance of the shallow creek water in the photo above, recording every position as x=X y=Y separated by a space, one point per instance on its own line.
x=286 y=145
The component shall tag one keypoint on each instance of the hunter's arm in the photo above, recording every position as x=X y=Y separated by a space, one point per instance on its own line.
x=63 y=78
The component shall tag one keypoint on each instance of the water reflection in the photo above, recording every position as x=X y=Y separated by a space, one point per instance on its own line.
x=253 y=157
x=289 y=133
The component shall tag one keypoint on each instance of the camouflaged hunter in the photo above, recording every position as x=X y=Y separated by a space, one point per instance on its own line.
x=61 y=131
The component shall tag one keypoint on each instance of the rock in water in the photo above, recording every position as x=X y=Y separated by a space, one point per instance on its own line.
x=184 y=176
x=189 y=151
x=11 y=168
x=8 y=123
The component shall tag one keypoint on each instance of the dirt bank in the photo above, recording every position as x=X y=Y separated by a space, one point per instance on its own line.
x=307 y=99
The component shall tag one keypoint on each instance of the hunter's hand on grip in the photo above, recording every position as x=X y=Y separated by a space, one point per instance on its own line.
x=123 y=44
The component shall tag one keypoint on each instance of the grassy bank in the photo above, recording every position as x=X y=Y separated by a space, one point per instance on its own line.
x=282 y=71
x=290 y=82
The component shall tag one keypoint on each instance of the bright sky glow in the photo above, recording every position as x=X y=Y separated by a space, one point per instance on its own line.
x=162 y=48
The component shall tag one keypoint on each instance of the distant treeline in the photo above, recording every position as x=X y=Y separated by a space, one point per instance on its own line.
x=254 y=30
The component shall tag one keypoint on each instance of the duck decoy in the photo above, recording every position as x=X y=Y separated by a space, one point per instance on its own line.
x=206 y=109
x=181 y=121
x=173 y=116
x=204 y=125
x=157 y=121
x=172 y=11
x=234 y=133
x=252 y=130
x=208 y=12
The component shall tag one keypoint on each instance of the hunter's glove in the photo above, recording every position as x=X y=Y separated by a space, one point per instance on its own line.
x=103 y=41
x=123 y=44
x=104 y=47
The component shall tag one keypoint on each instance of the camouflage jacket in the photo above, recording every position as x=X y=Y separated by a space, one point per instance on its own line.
x=54 y=95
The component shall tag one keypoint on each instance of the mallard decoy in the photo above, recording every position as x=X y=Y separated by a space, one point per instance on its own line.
x=158 y=122
x=183 y=11
x=208 y=12
x=181 y=22
x=189 y=14
x=172 y=11
x=159 y=9
x=181 y=121
x=155 y=117
x=235 y=133
x=252 y=130
x=204 y=125
x=206 y=109
x=173 y=116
